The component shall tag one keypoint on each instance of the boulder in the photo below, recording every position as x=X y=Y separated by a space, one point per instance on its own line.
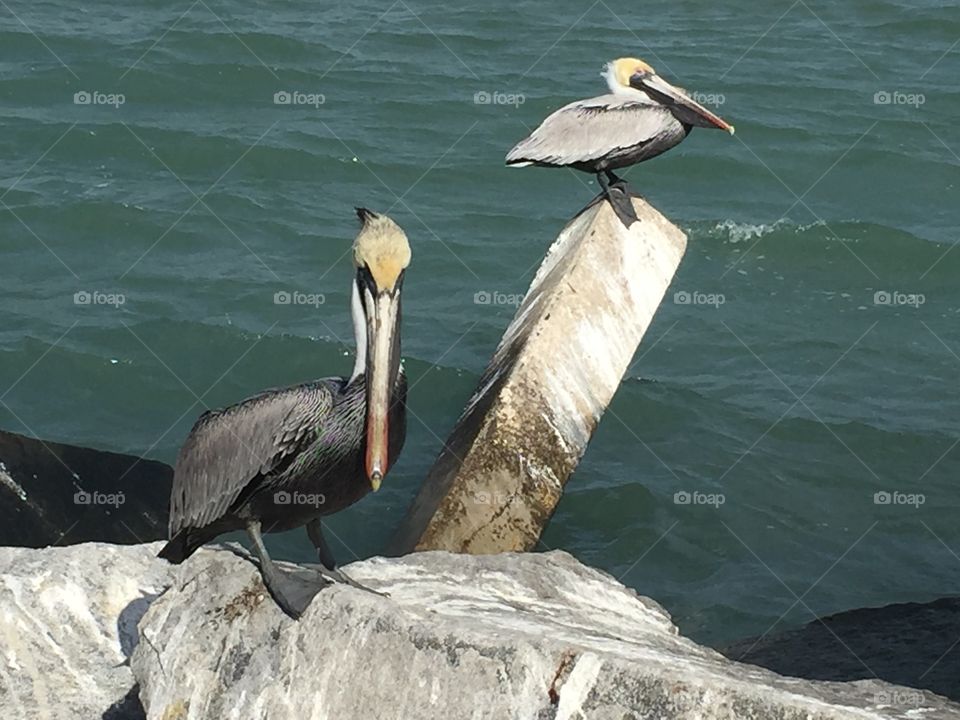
x=518 y=636
x=68 y=623
x=913 y=644
x=57 y=494
x=528 y=636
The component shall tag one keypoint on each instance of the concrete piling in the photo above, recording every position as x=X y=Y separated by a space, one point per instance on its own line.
x=503 y=469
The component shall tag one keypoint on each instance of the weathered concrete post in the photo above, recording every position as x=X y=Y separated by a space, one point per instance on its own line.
x=502 y=472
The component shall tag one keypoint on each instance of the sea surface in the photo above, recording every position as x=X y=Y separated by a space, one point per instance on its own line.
x=155 y=199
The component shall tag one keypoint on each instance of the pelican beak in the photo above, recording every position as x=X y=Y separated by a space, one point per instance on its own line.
x=684 y=108
x=382 y=309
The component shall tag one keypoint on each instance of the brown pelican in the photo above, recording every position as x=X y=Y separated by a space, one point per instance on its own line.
x=286 y=457
x=641 y=117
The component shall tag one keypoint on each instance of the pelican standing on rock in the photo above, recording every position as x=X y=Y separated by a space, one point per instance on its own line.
x=287 y=457
x=642 y=117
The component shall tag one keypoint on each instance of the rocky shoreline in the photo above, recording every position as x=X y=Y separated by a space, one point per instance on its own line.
x=107 y=631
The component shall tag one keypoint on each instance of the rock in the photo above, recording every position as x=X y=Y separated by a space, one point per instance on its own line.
x=505 y=636
x=912 y=644
x=503 y=468
x=68 y=623
x=526 y=637
x=51 y=493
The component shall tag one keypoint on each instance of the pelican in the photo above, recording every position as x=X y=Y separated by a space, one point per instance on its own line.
x=642 y=117
x=286 y=457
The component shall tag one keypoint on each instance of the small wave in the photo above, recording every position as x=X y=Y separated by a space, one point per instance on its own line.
x=736 y=232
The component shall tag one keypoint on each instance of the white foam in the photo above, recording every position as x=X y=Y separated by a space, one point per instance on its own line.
x=743 y=232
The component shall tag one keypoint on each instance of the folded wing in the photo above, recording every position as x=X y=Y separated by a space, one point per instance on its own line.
x=589 y=130
x=228 y=448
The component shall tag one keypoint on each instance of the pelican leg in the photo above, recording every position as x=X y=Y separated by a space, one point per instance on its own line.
x=325 y=555
x=617 y=192
x=269 y=572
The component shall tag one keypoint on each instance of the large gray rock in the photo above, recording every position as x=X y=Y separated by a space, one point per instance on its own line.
x=68 y=623
x=531 y=636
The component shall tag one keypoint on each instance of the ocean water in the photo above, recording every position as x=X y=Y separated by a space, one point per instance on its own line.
x=805 y=359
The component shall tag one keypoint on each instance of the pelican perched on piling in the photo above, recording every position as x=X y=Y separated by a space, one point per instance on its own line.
x=642 y=117
x=287 y=457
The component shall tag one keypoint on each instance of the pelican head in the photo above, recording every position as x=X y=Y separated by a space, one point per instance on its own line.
x=382 y=248
x=630 y=74
x=619 y=72
x=381 y=254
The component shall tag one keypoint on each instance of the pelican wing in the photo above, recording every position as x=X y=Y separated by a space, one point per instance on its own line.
x=228 y=448
x=587 y=130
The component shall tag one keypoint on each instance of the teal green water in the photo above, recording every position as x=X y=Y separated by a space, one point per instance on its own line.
x=800 y=397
